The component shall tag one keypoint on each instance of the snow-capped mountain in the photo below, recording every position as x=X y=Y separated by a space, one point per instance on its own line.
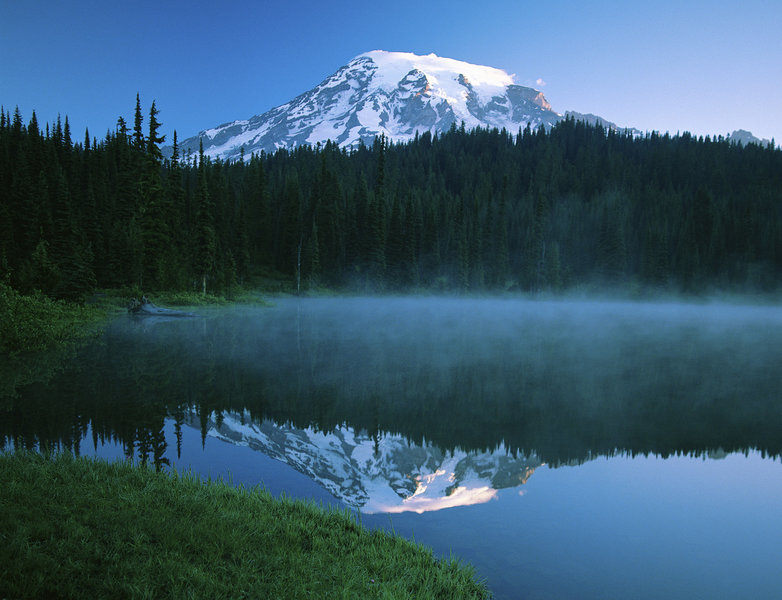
x=398 y=94
x=384 y=474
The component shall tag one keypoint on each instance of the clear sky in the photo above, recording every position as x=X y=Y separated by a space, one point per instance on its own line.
x=667 y=65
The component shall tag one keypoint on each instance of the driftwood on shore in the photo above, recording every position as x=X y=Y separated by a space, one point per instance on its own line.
x=145 y=308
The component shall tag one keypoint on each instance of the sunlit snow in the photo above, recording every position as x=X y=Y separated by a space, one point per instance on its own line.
x=442 y=72
x=390 y=93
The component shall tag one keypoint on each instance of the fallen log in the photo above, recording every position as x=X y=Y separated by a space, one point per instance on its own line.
x=145 y=308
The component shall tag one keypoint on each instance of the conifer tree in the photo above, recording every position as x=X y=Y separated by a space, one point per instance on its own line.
x=123 y=249
x=176 y=267
x=66 y=135
x=6 y=239
x=205 y=240
x=71 y=253
x=290 y=237
x=538 y=245
x=501 y=254
x=138 y=119
x=43 y=274
x=358 y=232
x=156 y=217
x=395 y=254
x=310 y=258
x=409 y=245
x=376 y=221
x=612 y=260
x=462 y=248
x=256 y=206
x=154 y=139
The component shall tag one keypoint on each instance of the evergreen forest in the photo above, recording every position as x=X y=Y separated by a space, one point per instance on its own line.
x=573 y=207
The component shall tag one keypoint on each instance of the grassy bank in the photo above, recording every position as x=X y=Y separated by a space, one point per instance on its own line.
x=38 y=335
x=77 y=528
x=36 y=322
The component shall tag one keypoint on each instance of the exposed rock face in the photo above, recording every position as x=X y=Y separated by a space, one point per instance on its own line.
x=744 y=137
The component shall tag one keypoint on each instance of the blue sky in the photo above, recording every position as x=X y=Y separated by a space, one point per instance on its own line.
x=704 y=67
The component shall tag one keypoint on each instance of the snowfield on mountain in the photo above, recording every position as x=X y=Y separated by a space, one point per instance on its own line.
x=396 y=94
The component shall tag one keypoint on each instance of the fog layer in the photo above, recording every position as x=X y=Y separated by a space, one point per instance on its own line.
x=563 y=380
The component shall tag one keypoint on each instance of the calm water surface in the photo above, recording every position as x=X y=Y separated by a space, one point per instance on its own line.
x=567 y=450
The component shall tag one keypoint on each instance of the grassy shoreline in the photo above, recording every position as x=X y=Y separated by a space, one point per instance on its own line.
x=32 y=323
x=78 y=528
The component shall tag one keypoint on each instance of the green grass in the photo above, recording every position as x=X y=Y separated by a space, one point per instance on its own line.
x=78 y=528
x=38 y=335
x=36 y=322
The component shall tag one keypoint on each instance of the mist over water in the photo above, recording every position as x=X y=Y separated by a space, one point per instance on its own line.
x=472 y=414
x=564 y=379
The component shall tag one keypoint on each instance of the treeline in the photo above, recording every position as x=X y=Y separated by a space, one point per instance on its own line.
x=464 y=211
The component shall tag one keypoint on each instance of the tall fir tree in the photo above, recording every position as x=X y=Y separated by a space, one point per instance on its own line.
x=205 y=243
x=138 y=120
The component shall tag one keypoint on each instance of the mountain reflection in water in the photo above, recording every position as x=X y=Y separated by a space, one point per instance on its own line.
x=382 y=474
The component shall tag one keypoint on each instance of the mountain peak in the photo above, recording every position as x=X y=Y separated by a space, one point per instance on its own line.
x=396 y=94
x=393 y=66
x=744 y=137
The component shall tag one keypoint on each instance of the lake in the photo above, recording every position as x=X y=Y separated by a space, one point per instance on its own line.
x=565 y=449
